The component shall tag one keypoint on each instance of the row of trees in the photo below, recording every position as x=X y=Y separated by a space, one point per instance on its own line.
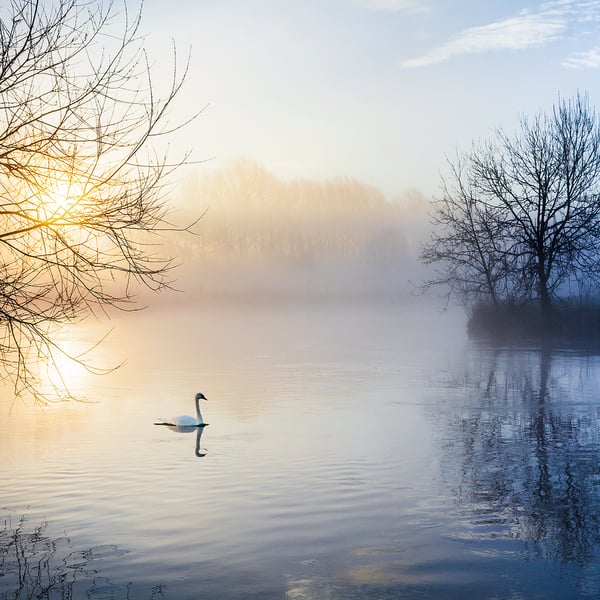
x=519 y=217
x=263 y=236
x=251 y=215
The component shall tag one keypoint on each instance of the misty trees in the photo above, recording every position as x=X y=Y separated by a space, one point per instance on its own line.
x=519 y=218
x=252 y=216
x=266 y=237
x=80 y=184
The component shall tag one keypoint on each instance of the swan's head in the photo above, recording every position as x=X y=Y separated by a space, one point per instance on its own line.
x=201 y=396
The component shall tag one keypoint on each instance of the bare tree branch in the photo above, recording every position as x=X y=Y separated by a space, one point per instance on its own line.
x=82 y=189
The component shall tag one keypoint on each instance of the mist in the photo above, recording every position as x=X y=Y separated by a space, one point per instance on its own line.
x=261 y=237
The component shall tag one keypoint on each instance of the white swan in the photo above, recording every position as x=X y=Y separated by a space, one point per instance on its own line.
x=186 y=420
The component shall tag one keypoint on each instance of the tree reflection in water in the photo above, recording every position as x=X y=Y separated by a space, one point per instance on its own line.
x=522 y=451
x=34 y=564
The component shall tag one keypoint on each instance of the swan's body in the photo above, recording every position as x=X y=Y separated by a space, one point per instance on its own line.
x=186 y=420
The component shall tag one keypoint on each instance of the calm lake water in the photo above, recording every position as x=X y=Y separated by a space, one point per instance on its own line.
x=353 y=452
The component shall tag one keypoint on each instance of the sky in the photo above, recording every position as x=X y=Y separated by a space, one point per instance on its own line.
x=379 y=90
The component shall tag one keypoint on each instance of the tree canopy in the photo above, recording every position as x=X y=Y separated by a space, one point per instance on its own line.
x=519 y=217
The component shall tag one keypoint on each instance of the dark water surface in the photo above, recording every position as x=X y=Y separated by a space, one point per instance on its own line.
x=353 y=452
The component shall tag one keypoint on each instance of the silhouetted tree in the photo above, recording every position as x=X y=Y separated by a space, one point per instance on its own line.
x=80 y=184
x=470 y=243
x=523 y=217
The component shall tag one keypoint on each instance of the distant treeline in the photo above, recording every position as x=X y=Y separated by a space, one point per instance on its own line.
x=258 y=226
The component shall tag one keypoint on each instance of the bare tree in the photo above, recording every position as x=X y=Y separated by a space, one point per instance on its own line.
x=82 y=188
x=469 y=245
x=535 y=196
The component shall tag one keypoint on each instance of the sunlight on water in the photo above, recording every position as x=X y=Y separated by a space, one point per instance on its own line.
x=364 y=452
x=66 y=367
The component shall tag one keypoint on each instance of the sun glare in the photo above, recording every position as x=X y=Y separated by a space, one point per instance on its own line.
x=63 y=368
x=60 y=198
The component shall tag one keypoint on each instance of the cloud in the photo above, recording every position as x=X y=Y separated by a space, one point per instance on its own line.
x=549 y=23
x=396 y=5
x=578 y=11
x=590 y=59
x=511 y=34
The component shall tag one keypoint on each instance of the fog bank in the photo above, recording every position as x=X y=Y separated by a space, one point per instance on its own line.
x=263 y=237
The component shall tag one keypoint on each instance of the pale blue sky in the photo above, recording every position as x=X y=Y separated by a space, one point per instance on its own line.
x=380 y=90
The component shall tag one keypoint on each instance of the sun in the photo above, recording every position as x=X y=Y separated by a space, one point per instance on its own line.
x=60 y=198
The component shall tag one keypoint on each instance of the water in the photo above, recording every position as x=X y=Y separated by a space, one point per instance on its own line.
x=352 y=452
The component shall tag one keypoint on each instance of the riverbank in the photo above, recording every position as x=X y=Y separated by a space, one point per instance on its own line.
x=567 y=321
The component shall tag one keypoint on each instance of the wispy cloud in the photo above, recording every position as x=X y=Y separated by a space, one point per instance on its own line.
x=578 y=11
x=511 y=34
x=590 y=59
x=549 y=23
x=396 y=5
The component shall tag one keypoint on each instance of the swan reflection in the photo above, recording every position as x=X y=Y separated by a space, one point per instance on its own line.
x=199 y=452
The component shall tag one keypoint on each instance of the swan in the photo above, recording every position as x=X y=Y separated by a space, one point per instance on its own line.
x=186 y=420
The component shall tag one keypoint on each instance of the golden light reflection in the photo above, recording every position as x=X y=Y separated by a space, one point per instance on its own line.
x=74 y=361
x=65 y=368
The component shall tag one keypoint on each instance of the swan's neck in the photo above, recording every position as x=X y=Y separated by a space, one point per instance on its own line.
x=198 y=413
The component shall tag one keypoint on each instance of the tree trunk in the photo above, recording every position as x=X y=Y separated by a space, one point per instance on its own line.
x=545 y=299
